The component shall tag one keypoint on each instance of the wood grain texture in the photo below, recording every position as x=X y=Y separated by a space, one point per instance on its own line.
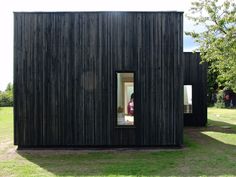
x=64 y=77
x=195 y=74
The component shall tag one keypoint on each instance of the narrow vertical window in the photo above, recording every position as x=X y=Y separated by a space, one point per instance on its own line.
x=125 y=98
x=188 y=106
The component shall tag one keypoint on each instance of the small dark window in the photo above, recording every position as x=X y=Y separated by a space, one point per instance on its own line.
x=188 y=105
x=125 y=98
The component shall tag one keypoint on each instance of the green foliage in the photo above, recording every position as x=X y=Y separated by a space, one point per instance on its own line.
x=217 y=41
x=6 y=97
x=220 y=100
x=9 y=87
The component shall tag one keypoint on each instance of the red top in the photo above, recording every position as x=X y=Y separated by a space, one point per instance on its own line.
x=131 y=108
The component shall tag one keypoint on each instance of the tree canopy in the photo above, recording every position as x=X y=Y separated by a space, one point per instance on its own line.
x=217 y=40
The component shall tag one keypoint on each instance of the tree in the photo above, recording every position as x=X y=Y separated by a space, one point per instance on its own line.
x=6 y=97
x=217 y=40
x=9 y=88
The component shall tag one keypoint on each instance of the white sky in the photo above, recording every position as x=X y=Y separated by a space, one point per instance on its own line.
x=9 y=6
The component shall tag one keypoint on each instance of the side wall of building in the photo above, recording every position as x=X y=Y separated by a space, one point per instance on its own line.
x=64 y=78
x=195 y=74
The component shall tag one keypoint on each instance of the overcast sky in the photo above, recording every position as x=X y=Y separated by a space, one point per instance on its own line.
x=8 y=7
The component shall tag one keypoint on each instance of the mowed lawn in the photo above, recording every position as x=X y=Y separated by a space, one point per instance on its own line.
x=208 y=151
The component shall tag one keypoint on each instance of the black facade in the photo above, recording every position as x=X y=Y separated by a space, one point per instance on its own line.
x=195 y=74
x=65 y=66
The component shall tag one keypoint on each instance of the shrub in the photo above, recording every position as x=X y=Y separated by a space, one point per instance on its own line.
x=220 y=99
x=6 y=97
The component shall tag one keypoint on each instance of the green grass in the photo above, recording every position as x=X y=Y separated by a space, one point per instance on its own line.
x=209 y=151
x=221 y=117
x=6 y=125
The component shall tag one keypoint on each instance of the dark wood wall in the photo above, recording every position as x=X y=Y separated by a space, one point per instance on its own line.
x=195 y=74
x=64 y=77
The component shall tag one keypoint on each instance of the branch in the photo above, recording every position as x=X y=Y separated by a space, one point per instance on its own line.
x=220 y=28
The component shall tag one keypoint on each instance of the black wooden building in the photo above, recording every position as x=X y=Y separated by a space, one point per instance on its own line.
x=195 y=77
x=98 y=79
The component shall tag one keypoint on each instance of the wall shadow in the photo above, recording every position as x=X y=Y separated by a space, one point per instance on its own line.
x=219 y=126
x=201 y=155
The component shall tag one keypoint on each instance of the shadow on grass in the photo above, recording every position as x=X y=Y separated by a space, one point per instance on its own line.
x=202 y=155
x=221 y=125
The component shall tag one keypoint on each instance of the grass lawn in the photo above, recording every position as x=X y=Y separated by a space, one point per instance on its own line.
x=208 y=151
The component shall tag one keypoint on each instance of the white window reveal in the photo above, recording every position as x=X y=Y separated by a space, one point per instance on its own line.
x=188 y=105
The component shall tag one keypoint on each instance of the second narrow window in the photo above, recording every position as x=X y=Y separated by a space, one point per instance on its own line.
x=188 y=106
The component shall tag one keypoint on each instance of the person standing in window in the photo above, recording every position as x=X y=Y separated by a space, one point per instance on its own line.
x=130 y=106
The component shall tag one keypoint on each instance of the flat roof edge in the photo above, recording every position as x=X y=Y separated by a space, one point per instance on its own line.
x=41 y=12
